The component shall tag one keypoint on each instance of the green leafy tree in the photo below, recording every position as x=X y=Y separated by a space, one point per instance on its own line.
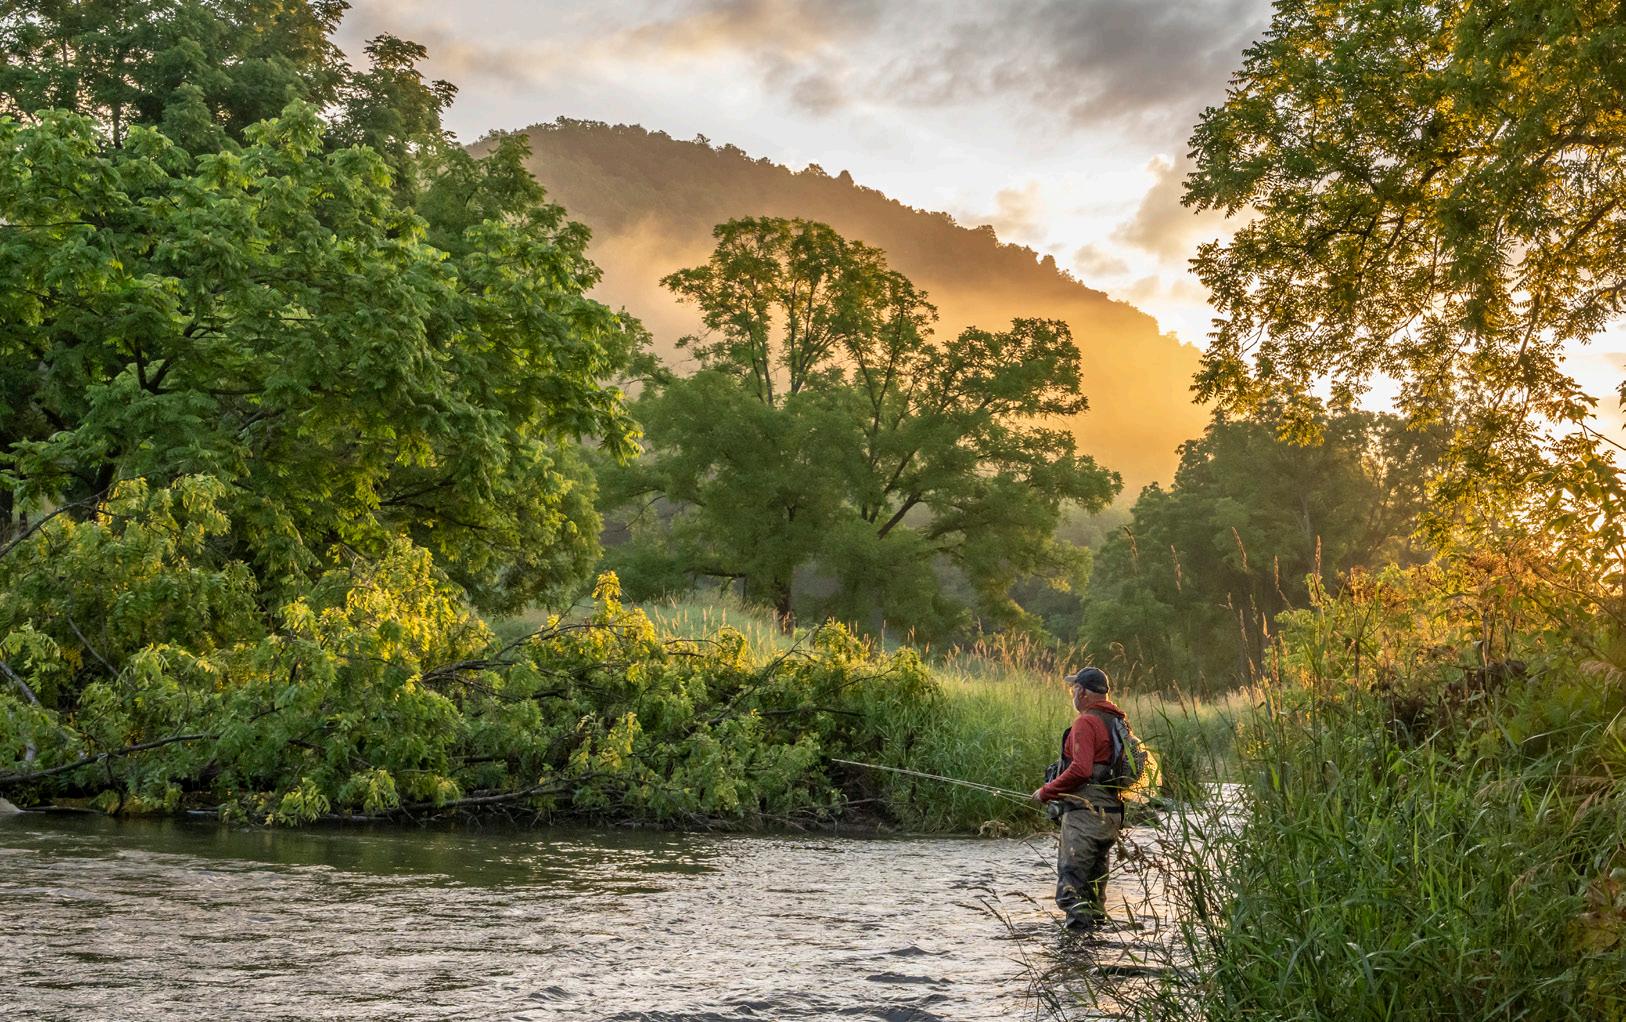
x=1187 y=591
x=141 y=669
x=274 y=405
x=203 y=71
x=827 y=433
x=1440 y=199
x=1438 y=189
x=269 y=316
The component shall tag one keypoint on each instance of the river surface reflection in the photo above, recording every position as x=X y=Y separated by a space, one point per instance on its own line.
x=177 y=920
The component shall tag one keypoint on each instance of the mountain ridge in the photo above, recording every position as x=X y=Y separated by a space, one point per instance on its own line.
x=652 y=200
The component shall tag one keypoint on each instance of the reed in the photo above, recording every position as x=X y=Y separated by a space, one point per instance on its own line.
x=1376 y=881
x=1422 y=839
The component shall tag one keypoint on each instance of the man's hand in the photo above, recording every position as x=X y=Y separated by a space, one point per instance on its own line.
x=1036 y=797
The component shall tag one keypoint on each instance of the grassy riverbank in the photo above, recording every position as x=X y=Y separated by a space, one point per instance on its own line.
x=997 y=720
x=1424 y=833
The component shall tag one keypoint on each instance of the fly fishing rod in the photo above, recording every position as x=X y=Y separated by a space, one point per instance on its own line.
x=988 y=789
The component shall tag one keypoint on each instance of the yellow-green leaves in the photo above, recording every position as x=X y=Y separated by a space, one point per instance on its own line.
x=300 y=804
x=1436 y=197
x=377 y=691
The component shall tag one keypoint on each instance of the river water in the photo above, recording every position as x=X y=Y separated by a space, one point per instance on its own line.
x=104 y=919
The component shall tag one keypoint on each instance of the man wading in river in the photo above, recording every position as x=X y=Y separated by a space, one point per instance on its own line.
x=1092 y=809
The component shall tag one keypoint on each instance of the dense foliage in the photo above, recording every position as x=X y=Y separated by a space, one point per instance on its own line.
x=1437 y=825
x=142 y=669
x=291 y=386
x=204 y=71
x=827 y=433
x=1438 y=194
x=277 y=408
x=1185 y=594
x=271 y=317
x=1431 y=835
x=361 y=342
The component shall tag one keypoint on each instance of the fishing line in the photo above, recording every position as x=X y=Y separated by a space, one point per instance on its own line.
x=1021 y=797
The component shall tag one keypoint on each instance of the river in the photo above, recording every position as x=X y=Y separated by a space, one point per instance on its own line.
x=105 y=919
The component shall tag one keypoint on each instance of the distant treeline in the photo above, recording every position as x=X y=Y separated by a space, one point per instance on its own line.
x=1186 y=593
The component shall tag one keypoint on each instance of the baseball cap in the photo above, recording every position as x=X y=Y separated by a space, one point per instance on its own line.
x=1092 y=678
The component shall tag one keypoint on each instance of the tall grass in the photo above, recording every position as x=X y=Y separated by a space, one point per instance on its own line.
x=1376 y=881
x=696 y=616
x=997 y=721
x=1415 y=841
x=1005 y=717
x=691 y=616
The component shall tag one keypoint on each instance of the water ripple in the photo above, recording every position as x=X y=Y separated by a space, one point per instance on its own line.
x=173 y=921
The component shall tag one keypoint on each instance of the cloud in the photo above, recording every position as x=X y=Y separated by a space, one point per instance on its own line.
x=1019 y=213
x=1151 y=65
x=1167 y=229
x=453 y=52
x=1139 y=62
x=788 y=41
x=1145 y=65
x=818 y=94
x=1158 y=289
x=706 y=27
x=1161 y=225
x=1094 y=261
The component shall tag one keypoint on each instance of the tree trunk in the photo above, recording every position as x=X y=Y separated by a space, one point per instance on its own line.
x=782 y=608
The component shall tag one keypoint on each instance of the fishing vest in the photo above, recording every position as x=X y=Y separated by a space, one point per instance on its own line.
x=1124 y=766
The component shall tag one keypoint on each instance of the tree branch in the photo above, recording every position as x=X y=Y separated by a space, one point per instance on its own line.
x=19 y=682
x=9 y=547
x=551 y=787
x=100 y=757
x=111 y=670
x=898 y=517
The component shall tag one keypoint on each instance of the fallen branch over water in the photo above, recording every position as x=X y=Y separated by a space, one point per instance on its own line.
x=554 y=787
x=100 y=757
x=550 y=788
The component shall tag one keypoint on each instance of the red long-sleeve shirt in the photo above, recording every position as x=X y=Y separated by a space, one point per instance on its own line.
x=1087 y=745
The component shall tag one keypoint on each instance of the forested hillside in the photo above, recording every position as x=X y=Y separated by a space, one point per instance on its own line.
x=652 y=202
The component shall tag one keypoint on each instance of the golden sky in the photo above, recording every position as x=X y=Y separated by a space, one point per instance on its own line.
x=1062 y=123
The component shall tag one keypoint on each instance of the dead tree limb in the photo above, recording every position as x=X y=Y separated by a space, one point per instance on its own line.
x=100 y=757
x=550 y=788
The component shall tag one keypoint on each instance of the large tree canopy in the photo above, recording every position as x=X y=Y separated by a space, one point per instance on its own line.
x=271 y=317
x=359 y=326
x=268 y=388
x=1440 y=198
x=827 y=430
x=205 y=70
